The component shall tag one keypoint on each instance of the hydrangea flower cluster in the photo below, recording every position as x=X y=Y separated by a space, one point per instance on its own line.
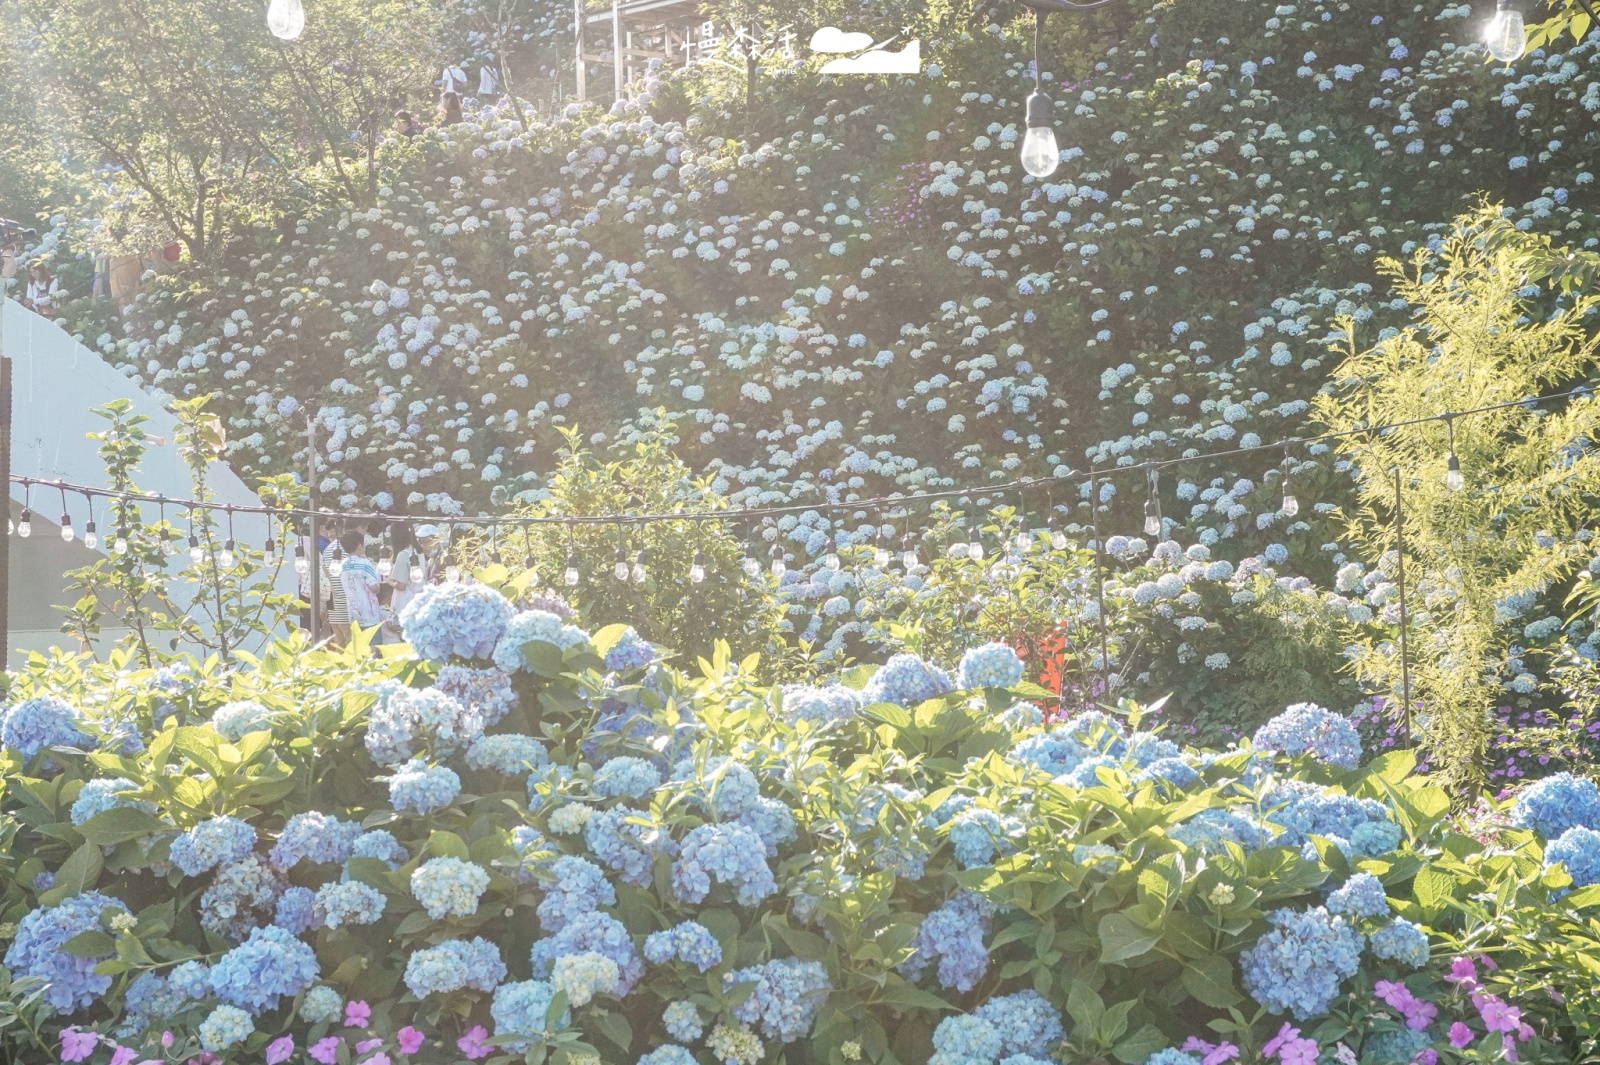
x=70 y=981
x=104 y=794
x=1578 y=851
x=314 y=837
x=833 y=702
x=1297 y=966
x=994 y=665
x=906 y=680
x=45 y=721
x=487 y=693
x=626 y=777
x=410 y=722
x=785 y=999
x=422 y=788
x=689 y=941
x=453 y=965
x=452 y=619
x=508 y=753
x=450 y=887
x=534 y=626
x=1306 y=728
x=217 y=841
x=631 y=651
x=235 y=720
x=270 y=965
x=730 y=854
x=1553 y=805
x=953 y=936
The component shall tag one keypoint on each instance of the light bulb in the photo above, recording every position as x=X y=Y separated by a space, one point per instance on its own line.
x=619 y=566
x=415 y=573
x=66 y=529
x=908 y=555
x=880 y=557
x=639 y=571
x=752 y=568
x=226 y=558
x=302 y=564
x=452 y=573
x=1040 y=154
x=1152 y=518
x=833 y=562
x=119 y=546
x=975 y=546
x=1024 y=539
x=25 y=524
x=91 y=536
x=1506 y=35
x=1291 y=505
x=779 y=566
x=571 y=574
x=697 y=572
x=286 y=19
x=385 y=564
x=196 y=553
x=1452 y=474
x=269 y=547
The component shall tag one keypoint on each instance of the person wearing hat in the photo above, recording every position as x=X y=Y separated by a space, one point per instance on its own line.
x=425 y=551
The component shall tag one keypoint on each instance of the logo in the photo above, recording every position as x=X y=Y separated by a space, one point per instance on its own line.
x=869 y=57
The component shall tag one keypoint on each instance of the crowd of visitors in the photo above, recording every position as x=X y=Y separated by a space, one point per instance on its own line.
x=354 y=592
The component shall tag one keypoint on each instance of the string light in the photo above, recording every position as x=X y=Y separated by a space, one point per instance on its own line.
x=415 y=571
x=1452 y=466
x=286 y=19
x=975 y=543
x=1024 y=538
x=336 y=560
x=494 y=545
x=1290 y=505
x=226 y=559
x=91 y=535
x=640 y=563
x=779 y=565
x=302 y=563
x=270 y=547
x=385 y=557
x=1507 y=32
x=832 y=561
x=25 y=521
x=750 y=564
x=880 y=552
x=1152 y=509
x=67 y=533
x=619 y=564
x=527 y=550
x=908 y=552
x=119 y=546
x=697 y=572
x=1040 y=153
x=164 y=532
x=570 y=575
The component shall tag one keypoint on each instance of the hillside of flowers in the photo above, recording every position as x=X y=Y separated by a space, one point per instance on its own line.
x=518 y=840
x=855 y=289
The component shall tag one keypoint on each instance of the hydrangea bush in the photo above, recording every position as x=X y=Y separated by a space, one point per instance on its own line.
x=654 y=865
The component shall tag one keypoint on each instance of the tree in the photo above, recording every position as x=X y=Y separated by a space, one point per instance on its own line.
x=1479 y=557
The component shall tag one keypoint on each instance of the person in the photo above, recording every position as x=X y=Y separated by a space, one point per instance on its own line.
x=389 y=631
x=406 y=124
x=424 y=551
x=44 y=291
x=449 y=108
x=454 y=79
x=360 y=580
x=303 y=583
x=337 y=607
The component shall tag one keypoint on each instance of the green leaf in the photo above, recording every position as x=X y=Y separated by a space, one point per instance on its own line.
x=200 y=745
x=1139 y=1046
x=111 y=827
x=614 y=1026
x=1433 y=887
x=1121 y=939
x=889 y=714
x=604 y=641
x=1211 y=981
x=1394 y=766
x=448 y=845
x=1084 y=1006
x=91 y=944
x=76 y=875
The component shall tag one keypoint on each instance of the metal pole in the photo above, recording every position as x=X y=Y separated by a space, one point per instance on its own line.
x=315 y=569
x=577 y=33
x=616 y=46
x=5 y=541
x=1405 y=612
x=1099 y=581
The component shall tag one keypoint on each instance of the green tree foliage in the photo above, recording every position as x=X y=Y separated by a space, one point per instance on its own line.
x=1477 y=558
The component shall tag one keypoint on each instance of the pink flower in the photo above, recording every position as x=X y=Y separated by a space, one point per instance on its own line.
x=1525 y=1033
x=1499 y=1017
x=1426 y=1056
x=1463 y=972
x=1299 y=1052
x=166 y=1040
x=279 y=1049
x=1460 y=1035
x=76 y=1045
x=123 y=1056
x=1488 y=962
x=1285 y=1035
x=327 y=1050
x=472 y=1044
x=1220 y=1053
x=380 y=1058
x=1420 y=1015
x=410 y=1040
x=367 y=1044
x=357 y=1014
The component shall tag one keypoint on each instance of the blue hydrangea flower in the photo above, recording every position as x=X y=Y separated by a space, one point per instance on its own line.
x=150 y=1000
x=578 y=886
x=105 y=793
x=453 y=965
x=509 y=754
x=1361 y=896
x=1173 y=773
x=1026 y=1021
x=1306 y=728
x=977 y=835
x=218 y=841
x=1578 y=851
x=523 y=1009
x=671 y=1053
x=629 y=777
x=584 y=975
x=234 y=721
x=71 y=983
x=626 y=847
x=682 y=1022
x=411 y=721
x=593 y=931
x=772 y=821
x=787 y=995
x=1557 y=803
x=833 y=702
x=422 y=788
x=730 y=854
x=240 y=898
x=270 y=965
x=1401 y=941
x=1304 y=810
x=44 y=721
x=689 y=942
x=1169 y=1056
x=192 y=979
x=349 y=902
x=631 y=651
x=906 y=680
x=487 y=693
x=533 y=626
x=321 y=1005
x=296 y=911
x=1375 y=838
x=227 y=1026
x=450 y=887
x=456 y=619
x=965 y=1039
x=994 y=665
x=381 y=845
x=1297 y=966
x=725 y=788
x=953 y=935
x=1398 y=1046
x=1055 y=752
x=314 y=837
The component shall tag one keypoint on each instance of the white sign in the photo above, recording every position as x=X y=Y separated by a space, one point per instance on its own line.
x=869 y=57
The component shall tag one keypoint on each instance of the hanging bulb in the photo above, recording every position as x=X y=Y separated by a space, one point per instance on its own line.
x=619 y=566
x=270 y=547
x=1452 y=474
x=1040 y=154
x=494 y=556
x=880 y=552
x=639 y=571
x=196 y=553
x=832 y=561
x=752 y=566
x=302 y=564
x=1152 y=518
x=25 y=524
x=66 y=528
x=336 y=562
x=91 y=537
x=225 y=559
x=697 y=572
x=385 y=562
x=1024 y=539
x=779 y=566
x=119 y=546
x=1506 y=34
x=908 y=553
x=975 y=545
x=452 y=572
x=571 y=574
x=286 y=19
x=1058 y=539
x=414 y=572
x=1291 y=505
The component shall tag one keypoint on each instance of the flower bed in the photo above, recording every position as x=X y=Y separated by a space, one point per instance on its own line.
x=544 y=843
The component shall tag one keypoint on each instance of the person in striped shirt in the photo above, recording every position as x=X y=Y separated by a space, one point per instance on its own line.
x=360 y=581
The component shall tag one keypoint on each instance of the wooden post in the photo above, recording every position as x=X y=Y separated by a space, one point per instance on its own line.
x=616 y=46
x=577 y=36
